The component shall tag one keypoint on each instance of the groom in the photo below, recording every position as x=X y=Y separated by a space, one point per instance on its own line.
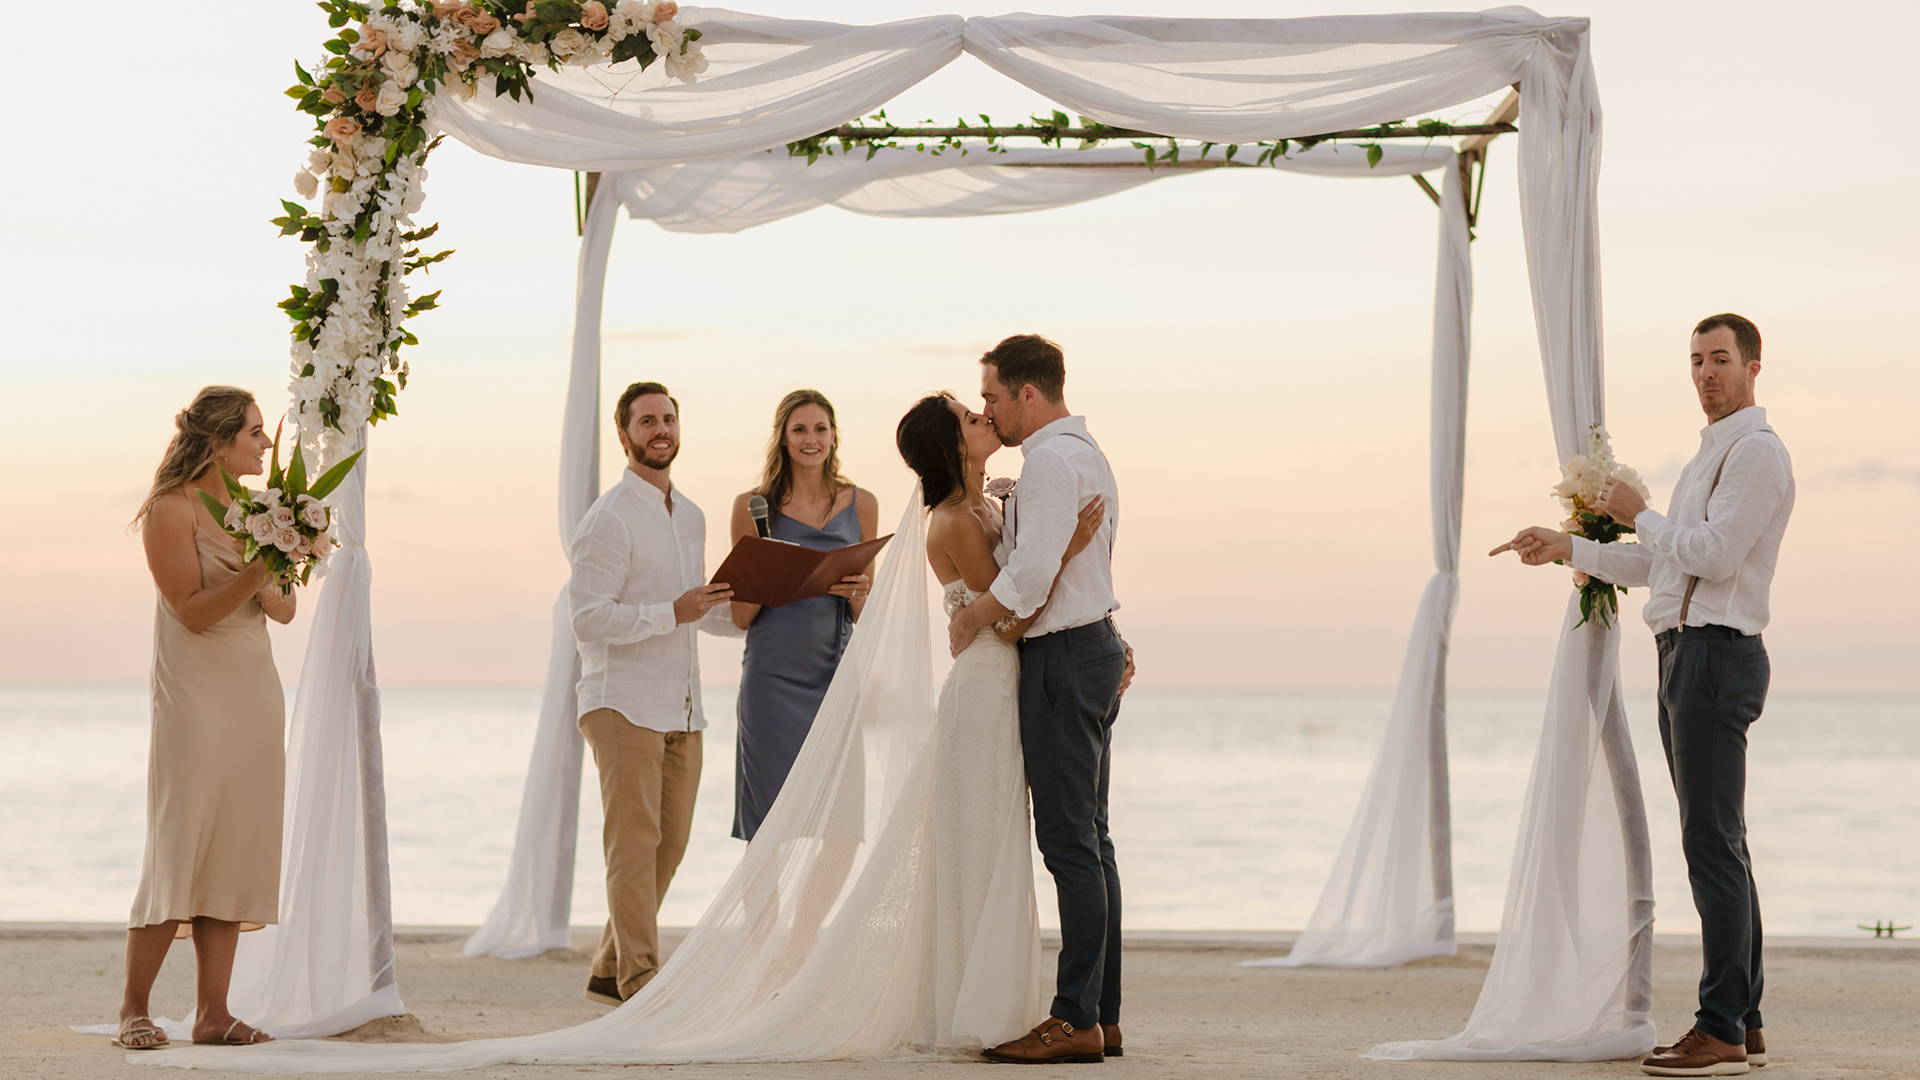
x=1073 y=667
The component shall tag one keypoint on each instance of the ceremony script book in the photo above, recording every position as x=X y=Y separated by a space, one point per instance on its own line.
x=778 y=572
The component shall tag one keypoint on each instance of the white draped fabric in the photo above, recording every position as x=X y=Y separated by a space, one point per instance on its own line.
x=1571 y=975
x=1389 y=898
x=328 y=966
x=738 y=193
x=769 y=81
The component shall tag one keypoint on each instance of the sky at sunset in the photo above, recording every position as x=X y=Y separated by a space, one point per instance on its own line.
x=1251 y=348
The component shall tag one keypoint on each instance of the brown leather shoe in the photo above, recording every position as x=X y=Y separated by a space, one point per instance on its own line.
x=603 y=989
x=1756 y=1049
x=1110 y=1040
x=1054 y=1040
x=1697 y=1054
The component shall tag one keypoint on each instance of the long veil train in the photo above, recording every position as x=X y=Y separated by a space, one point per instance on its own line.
x=822 y=944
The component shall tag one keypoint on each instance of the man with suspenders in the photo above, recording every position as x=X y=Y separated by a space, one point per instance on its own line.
x=1707 y=564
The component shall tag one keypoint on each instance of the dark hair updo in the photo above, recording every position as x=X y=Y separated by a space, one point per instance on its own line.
x=930 y=442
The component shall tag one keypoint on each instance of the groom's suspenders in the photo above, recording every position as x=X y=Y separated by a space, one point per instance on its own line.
x=1693 y=582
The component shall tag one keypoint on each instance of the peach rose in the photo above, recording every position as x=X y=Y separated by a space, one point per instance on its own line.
x=372 y=40
x=341 y=129
x=463 y=55
x=480 y=22
x=368 y=97
x=593 y=15
x=665 y=11
x=1580 y=579
x=444 y=8
x=333 y=95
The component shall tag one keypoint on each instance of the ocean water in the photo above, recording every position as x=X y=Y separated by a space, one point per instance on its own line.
x=1228 y=808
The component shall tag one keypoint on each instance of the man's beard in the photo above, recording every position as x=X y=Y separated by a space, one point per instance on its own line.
x=649 y=459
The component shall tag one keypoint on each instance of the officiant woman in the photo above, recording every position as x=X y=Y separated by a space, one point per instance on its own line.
x=218 y=761
x=792 y=650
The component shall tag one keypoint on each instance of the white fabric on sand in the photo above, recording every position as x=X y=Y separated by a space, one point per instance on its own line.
x=328 y=966
x=885 y=909
x=1389 y=898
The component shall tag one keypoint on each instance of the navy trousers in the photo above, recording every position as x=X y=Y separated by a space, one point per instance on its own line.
x=1069 y=697
x=1713 y=684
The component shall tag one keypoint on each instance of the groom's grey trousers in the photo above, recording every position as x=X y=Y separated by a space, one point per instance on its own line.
x=1069 y=697
x=1713 y=684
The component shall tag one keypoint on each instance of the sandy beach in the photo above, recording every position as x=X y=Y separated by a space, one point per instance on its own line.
x=1836 y=1008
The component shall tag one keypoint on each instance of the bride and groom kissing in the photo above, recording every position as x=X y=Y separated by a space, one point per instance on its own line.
x=885 y=907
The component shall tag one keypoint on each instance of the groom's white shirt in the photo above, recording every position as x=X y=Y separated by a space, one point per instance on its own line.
x=631 y=560
x=1063 y=470
x=1730 y=541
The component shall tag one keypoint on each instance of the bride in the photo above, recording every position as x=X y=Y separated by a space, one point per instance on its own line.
x=885 y=909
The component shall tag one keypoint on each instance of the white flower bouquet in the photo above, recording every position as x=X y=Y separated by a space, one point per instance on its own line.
x=1581 y=478
x=284 y=524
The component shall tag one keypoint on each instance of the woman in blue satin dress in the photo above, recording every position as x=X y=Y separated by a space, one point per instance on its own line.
x=792 y=650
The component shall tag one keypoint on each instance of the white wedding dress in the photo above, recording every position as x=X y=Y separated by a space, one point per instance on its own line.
x=884 y=910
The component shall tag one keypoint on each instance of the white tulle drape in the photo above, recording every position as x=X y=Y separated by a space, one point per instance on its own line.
x=1389 y=898
x=769 y=81
x=821 y=944
x=535 y=905
x=328 y=966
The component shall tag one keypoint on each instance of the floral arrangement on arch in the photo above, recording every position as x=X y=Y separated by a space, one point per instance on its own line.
x=1581 y=478
x=368 y=99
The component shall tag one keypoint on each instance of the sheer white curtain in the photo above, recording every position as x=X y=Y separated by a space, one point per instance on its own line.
x=733 y=194
x=535 y=905
x=1389 y=898
x=328 y=966
x=769 y=81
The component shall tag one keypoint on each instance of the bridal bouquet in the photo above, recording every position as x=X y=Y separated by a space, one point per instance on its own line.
x=1581 y=478
x=285 y=524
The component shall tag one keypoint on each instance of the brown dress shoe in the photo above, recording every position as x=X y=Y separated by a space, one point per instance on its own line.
x=1756 y=1049
x=1697 y=1054
x=1110 y=1040
x=1054 y=1040
x=604 y=990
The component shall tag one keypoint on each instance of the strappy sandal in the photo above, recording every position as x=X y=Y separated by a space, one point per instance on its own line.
x=253 y=1037
x=139 y=1025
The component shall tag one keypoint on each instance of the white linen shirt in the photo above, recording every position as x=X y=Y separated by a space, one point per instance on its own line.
x=631 y=560
x=1731 y=542
x=1063 y=470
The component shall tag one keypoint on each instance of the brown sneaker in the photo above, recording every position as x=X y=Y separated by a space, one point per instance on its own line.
x=1054 y=1040
x=1110 y=1040
x=1697 y=1054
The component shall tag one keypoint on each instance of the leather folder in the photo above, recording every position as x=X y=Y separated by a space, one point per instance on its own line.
x=777 y=572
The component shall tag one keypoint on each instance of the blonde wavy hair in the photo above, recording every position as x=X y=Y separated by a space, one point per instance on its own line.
x=214 y=419
x=776 y=479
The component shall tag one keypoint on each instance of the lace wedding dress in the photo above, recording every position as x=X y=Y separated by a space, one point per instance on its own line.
x=885 y=909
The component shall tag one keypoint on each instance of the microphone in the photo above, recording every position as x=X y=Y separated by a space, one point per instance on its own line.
x=757 y=506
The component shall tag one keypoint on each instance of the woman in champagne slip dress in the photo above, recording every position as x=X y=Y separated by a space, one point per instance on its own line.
x=215 y=779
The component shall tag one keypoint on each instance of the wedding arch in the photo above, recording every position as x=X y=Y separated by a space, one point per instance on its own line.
x=571 y=85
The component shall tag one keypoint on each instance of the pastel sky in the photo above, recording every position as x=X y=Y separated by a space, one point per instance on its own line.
x=1251 y=347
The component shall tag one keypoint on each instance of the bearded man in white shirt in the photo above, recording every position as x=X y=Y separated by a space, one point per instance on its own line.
x=636 y=596
x=1073 y=668
x=1708 y=564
